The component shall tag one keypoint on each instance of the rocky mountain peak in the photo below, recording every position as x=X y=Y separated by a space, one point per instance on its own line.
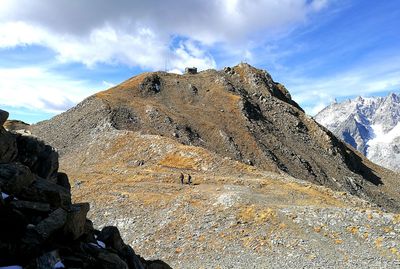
x=394 y=97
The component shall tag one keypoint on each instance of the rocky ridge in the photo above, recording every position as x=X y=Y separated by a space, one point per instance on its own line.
x=17 y=126
x=39 y=225
x=370 y=125
x=239 y=113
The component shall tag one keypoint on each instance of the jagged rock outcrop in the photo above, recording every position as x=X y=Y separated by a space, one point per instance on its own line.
x=239 y=113
x=3 y=116
x=17 y=126
x=370 y=125
x=39 y=225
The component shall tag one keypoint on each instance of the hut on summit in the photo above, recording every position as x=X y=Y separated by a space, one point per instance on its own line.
x=190 y=70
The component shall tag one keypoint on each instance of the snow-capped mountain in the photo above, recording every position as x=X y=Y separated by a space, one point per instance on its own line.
x=371 y=125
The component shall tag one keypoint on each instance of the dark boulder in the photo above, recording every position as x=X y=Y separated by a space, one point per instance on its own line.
x=151 y=85
x=14 y=177
x=71 y=261
x=12 y=224
x=31 y=206
x=8 y=146
x=42 y=159
x=46 y=191
x=133 y=260
x=76 y=220
x=157 y=264
x=2 y=203
x=89 y=232
x=109 y=260
x=3 y=117
x=62 y=180
x=48 y=260
x=111 y=237
x=55 y=221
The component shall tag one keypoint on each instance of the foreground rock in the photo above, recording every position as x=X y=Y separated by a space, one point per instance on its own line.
x=39 y=226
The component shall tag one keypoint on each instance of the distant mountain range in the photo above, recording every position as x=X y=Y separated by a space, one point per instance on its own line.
x=371 y=125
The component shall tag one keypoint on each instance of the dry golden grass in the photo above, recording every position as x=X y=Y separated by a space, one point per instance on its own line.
x=353 y=229
x=176 y=160
x=256 y=214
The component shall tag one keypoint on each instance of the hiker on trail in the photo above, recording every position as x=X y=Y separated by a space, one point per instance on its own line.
x=189 y=179
x=181 y=177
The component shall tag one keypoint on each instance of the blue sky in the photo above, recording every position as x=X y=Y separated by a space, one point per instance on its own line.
x=53 y=54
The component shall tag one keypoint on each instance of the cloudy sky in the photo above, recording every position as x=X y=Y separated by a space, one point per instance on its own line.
x=54 y=53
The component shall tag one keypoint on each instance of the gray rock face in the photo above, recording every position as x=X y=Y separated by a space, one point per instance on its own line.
x=370 y=125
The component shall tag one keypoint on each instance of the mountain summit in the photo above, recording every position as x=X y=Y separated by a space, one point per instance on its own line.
x=239 y=113
x=371 y=125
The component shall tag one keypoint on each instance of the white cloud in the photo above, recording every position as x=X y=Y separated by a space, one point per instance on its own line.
x=39 y=89
x=150 y=34
x=138 y=33
x=19 y=33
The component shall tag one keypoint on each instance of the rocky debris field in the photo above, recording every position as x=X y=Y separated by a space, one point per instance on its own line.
x=39 y=225
x=232 y=216
x=250 y=225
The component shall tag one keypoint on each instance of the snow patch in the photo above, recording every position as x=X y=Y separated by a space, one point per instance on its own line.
x=101 y=244
x=98 y=244
x=381 y=137
x=4 y=195
x=382 y=148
